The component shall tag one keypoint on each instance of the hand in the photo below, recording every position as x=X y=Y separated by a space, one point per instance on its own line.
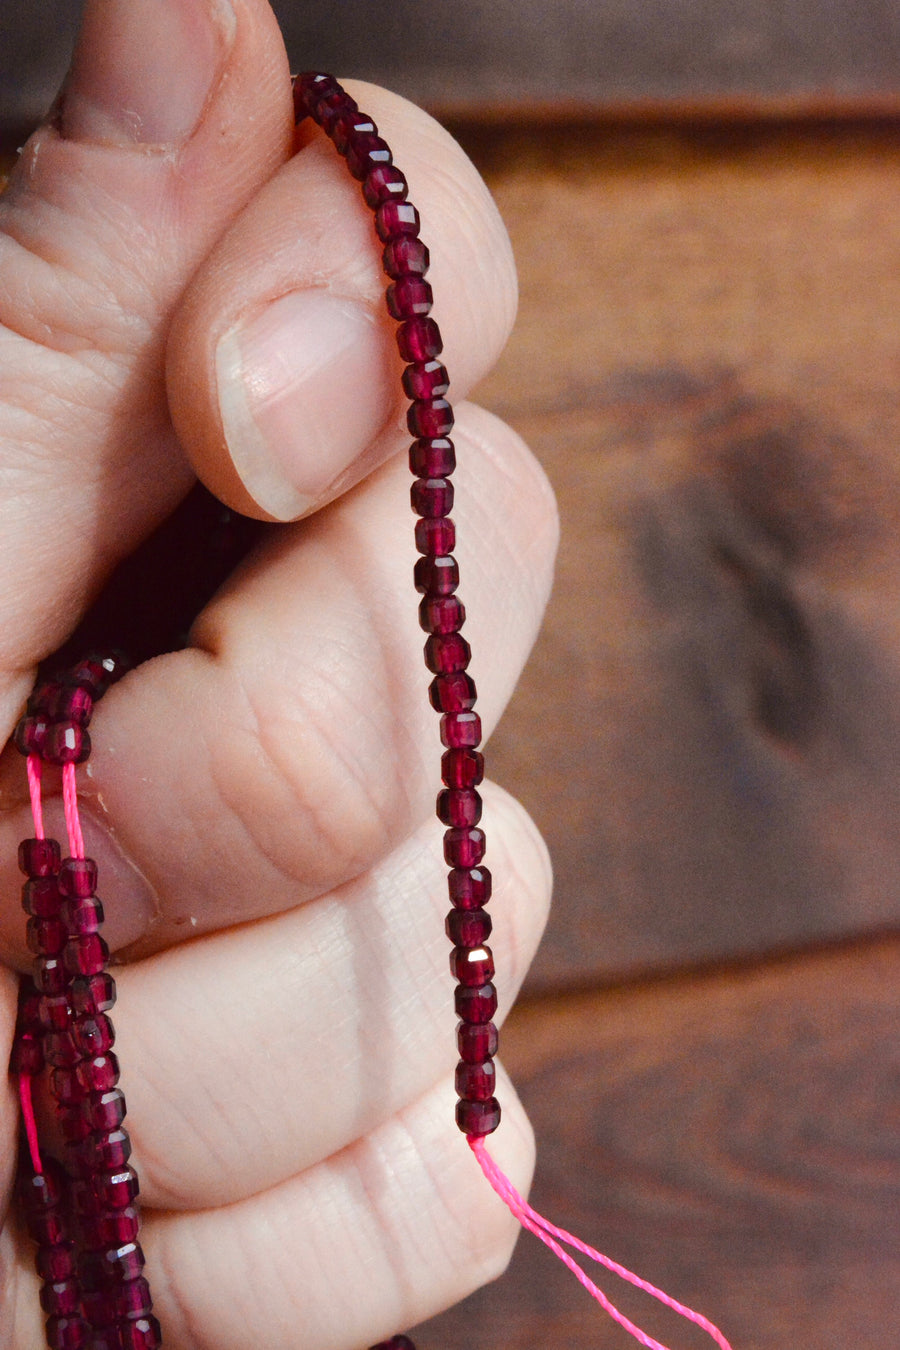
x=179 y=296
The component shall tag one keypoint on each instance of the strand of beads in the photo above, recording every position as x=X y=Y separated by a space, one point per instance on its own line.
x=82 y=1213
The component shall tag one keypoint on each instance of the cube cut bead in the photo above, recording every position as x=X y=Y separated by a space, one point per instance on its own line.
x=39 y=1192
x=30 y=735
x=98 y=673
x=142 y=1333
x=117 y=1190
x=309 y=89
x=478 y=1118
x=384 y=183
x=117 y=1227
x=83 y=916
x=426 y=379
x=108 y=1151
x=132 y=1299
x=41 y=897
x=50 y=975
x=444 y=653
x=66 y=1087
x=92 y=1034
x=395 y=220
x=55 y=1012
x=442 y=614
x=430 y=417
x=72 y=1123
x=436 y=576
x=27 y=1057
x=330 y=108
x=419 y=339
x=61 y=1297
x=464 y=848
x=57 y=1262
x=437 y=536
x=66 y=743
x=432 y=456
x=461 y=731
x=472 y=966
x=348 y=127
x=49 y=1229
x=107 y=1111
x=59 y=1050
x=405 y=257
x=454 y=692
x=477 y=1043
x=468 y=927
x=408 y=297
x=366 y=152
x=476 y=1082
x=458 y=807
x=46 y=937
x=431 y=497
x=470 y=887
x=70 y=703
x=100 y=1073
x=39 y=857
x=67 y=1333
x=93 y=993
x=475 y=1005
x=78 y=877
x=86 y=954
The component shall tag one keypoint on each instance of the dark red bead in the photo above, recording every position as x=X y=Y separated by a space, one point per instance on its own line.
x=310 y=88
x=86 y=1205
x=352 y=124
x=459 y=807
x=470 y=887
x=93 y=1034
x=72 y=1122
x=442 y=614
x=395 y=220
x=39 y=1192
x=476 y=1082
x=68 y=1333
x=27 y=1057
x=428 y=379
x=93 y=993
x=41 y=697
x=99 y=1306
x=436 y=576
x=475 y=1005
x=108 y=1151
x=56 y=1263
x=472 y=966
x=98 y=672
x=106 y=1111
x=49 y=1229
x=461 y=731
x=384 y=183
x=100 y=1073
x=59 y=1051
x=430 y=417
x=78 y=877
x=116 y=1227
x=70 y=703
x=143 y=1333
x=55 y=1012
x=366 y=152
x=454 y=692
x=464 y=847
x=66 y=743
x=41 y=897
x=66 y=1087
x=30 y=735
x=437 y=536
x=468 y=927
x=330 y=108
x=132 y=1299
x=61 y=1298
x=50 y=975
x=29 y=1015
x=432 y=456
x=46 y=937
x=405 y=257
x=117 y=1190
x=83 y=916
x=431 y=497
x=476 y=1043
x=408 y=297
x=98 y=1269
x=462 y=768
x=478 y=1118
x=86 y=954
x=419 y=339
x=39 y=857
x=446 y=652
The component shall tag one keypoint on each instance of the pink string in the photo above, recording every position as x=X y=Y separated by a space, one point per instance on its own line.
x=548 y=1233
x=30 y=1122
x=70 y=805
x=33 y=768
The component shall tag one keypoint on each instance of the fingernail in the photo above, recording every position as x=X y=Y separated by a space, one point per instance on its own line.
x=303 y=388
x=144 y=69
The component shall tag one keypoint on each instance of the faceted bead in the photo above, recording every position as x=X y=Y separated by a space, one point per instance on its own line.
x=310 y=88
x=384 y=183
x=72 y=1122
x=476 y=1082
x=100 y=1073
x=426 y=379
x=117 y=1190
x=462 y=768
x=107 y=1151
x=93 y=993
x=431 y=497
x=39 y=1192
x=99 y=1306
x=86 y=954
x=41 y=897
x=419 y=339
x=436 y=576
x=461 y=731
x=476 y=1043
x=115 y=1265
x=436 y=536
x=405 y=257
x=78 y=877
x=98 y=671
x=30 y=735
x=61 y=1298
x=454 y=692
x=46 y=937
x=432 y=456
x=132 y=1299
x=92 y=1035
x=50 y=975
x=59 y=1051
x=442 y=614
x=49 y=1229
x=446 y=652
x=472 y=966
x=66 y=743
x=470 y=887
x=66 y=1087
x=430 y=417
x=478 y=1118
x=459 y=807
x=408 y=297
x=83 y=916
x=27 y=1057
x=67 y=1333
x=55 y=1012
x=86 y=1205
x=351 y=125
x=143 y=1333
x=468 y=927
x=395 y=220
x=57 y=1262
x=107 y=1111
x=39 y=857
x=475 y=1005
x=330 y=108
x=464 y=847
x=117 y=1227
x=70 y=703
x=365 y=153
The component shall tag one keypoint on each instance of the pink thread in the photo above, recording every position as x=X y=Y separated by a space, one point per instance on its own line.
x=33 y=769
x=70 y=805
x=30 y=1123
x=548 y=1233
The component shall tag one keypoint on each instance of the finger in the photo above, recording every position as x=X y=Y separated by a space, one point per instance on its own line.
x=384 y=1235
x=286 y=1041
x=174 y=113
x=284 y=377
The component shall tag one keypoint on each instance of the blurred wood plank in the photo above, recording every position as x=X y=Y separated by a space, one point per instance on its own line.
x=706 y=362
x=734 y=1138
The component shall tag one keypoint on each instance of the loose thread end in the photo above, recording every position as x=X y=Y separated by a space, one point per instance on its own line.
x=552 y=1237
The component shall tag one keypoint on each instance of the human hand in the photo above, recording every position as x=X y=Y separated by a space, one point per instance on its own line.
x=265 y=793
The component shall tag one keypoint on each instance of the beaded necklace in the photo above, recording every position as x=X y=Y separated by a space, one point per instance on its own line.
x=82 y=1211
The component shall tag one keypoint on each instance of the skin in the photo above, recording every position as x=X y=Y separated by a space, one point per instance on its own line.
x=260 y=804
